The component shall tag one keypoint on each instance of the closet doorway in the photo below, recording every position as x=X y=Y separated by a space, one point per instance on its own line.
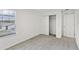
x=52 y=25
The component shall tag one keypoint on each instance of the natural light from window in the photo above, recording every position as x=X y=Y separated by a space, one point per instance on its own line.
x=7 y=22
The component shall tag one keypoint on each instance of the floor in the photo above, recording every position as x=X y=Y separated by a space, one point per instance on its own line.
x=7 y=41
x=44 y=42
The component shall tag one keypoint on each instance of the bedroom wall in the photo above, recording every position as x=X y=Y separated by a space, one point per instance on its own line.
x=59 y=25
x=28 y=24
x=77 y=28
x=45 y=25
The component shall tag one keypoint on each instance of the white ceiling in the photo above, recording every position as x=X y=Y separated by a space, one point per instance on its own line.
x=51 y=11
x=47 y=11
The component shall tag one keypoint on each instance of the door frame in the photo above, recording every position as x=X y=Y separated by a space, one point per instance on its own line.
x=49 y=23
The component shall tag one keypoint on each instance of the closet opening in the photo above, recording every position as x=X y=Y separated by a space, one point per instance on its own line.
x=52 y=25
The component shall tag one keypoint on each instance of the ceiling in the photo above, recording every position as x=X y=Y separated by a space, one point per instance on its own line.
x=47 y=11
x=51 y=11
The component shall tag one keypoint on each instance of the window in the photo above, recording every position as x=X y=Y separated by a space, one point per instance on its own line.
x=7 y=22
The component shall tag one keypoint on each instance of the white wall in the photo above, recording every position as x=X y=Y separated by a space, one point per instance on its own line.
x=68 y=22
x=59 y=25
x=45 y=25
x=77 y=28
x=52 y=24
x=29 y=24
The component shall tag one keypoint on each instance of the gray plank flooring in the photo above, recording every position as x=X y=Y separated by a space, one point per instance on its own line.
x=44 y=42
